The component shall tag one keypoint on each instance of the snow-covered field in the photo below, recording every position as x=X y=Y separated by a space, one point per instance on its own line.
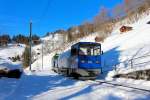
x=44 y=84
x=10 y=51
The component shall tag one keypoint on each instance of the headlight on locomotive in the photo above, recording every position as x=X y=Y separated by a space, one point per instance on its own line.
x=82 y=61
x=89 y=62
x=97 y=62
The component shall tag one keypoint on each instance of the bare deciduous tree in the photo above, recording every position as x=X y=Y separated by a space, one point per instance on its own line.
x=118 y=11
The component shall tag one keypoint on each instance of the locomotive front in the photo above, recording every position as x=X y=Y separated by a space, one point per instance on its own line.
x=88 y=55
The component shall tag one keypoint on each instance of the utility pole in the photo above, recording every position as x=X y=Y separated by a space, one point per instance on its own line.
x=30 y=43
x=42 y=55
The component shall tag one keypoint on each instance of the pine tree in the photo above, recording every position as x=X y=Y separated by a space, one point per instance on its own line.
x=26 y=57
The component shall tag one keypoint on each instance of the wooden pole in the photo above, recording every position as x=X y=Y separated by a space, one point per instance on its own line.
x=42 y=55
x=30 y=43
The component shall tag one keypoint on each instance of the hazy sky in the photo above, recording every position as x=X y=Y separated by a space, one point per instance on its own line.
x=47 y=15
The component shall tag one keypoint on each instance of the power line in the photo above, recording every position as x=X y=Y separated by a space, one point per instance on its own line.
x=46 y=9
x=40 y=19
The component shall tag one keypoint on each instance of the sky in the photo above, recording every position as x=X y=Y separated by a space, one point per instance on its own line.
x=47 y=15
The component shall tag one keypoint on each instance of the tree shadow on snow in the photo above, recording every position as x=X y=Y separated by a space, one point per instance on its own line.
x=89 y=89
x=101 y=95
x=84 y=91
x=31 y=85
x=112 y=97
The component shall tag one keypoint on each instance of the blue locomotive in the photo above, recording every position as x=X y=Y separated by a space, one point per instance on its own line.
x=82 y=61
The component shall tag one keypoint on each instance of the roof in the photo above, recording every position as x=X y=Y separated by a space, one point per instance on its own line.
x=86 y=43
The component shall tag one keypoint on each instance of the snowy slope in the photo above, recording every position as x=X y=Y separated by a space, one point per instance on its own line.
x=128 y=46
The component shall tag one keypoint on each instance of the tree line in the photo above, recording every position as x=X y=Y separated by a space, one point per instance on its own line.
x=5 y=39
x=105 y=20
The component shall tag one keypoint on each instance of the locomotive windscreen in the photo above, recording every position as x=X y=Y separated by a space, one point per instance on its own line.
x=90 y=49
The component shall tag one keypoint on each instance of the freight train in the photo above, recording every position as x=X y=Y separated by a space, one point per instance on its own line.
x=82 y=61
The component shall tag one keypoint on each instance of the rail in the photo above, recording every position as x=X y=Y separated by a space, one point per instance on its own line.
x=122 y=85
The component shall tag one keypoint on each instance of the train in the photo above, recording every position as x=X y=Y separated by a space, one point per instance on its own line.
x=82 y=61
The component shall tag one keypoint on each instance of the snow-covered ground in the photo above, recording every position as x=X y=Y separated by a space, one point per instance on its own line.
x=10 y=51
x=48 y=85
x=44 y=84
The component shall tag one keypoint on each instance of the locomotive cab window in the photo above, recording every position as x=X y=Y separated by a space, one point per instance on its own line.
x=97 y=50
x=74 y=51
x=89 y=50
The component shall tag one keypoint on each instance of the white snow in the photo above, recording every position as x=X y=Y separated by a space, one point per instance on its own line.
x=44 y=84
x=10 y=51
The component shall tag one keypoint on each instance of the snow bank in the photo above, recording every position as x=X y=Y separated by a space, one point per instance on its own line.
x=10 y=51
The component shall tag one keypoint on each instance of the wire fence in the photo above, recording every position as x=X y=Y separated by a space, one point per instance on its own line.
x=138 y=62
x=141 y=61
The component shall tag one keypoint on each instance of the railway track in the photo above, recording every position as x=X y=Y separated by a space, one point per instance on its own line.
x=100 y=82
x=121 y=85
x=111 y=83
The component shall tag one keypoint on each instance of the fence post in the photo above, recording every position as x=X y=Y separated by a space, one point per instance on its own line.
x=131 y=63
x=115 y=67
